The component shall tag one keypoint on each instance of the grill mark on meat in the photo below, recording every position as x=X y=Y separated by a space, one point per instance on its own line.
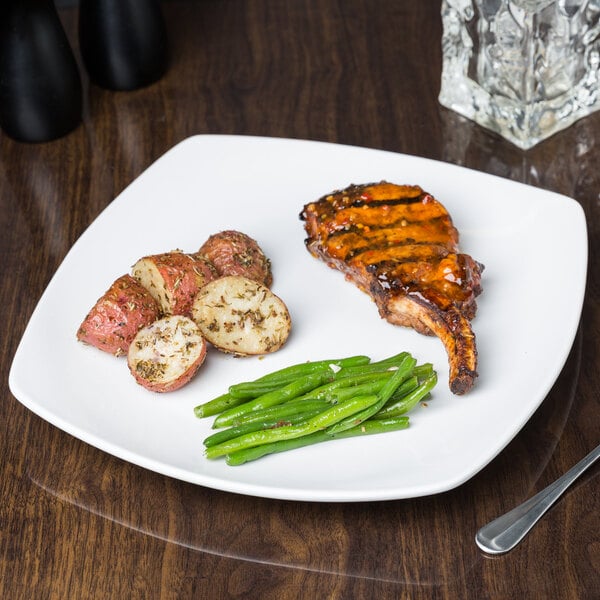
x=398 y=244
x=353 y=244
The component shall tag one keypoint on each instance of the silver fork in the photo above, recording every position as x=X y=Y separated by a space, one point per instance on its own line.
x=505 y=532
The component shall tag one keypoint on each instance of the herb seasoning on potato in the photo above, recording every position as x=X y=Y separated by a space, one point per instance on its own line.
x=241 y=316
x=235 y=253
x=117 y=316
x=174 y=278
x=166 y=354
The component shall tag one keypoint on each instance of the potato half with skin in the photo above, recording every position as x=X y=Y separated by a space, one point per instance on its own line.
x=174 y=278
x=118 y=315
x=235 y=253
x=166 y=354
x=241 y=316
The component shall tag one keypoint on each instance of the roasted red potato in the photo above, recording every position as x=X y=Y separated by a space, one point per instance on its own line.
x=166 y=354
x=118 y=315
x=235 y=253
x=174 y=278
x=241 y=316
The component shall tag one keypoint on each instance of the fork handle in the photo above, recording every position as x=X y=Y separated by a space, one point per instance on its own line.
x=505 y=532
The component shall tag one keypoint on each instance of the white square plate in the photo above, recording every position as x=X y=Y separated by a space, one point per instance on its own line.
x=526 y=238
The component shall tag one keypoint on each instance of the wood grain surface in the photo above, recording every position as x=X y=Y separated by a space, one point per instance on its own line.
x=77 y=523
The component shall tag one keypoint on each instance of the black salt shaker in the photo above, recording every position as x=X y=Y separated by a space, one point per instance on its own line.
x=40 y=86
x=123 y=42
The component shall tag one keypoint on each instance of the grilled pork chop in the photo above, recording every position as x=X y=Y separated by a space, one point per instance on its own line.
x=398 y=244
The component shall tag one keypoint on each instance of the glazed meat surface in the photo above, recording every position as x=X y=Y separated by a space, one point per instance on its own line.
x=398 y=244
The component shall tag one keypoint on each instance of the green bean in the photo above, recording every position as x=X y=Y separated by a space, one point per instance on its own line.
x=354 y=370
x=348 y=375
x=369 y=387
x=374 y=367
x=395 y=358
x=249 y=391
x=307 y=367
x=409 y=401
x=326 y=391
x=423 y=371
x=287 y=392
x=403 y=371
x=288 y=374
x=237 y=430
x=314 y=402
x=404 y=388
x=368 y=428
x=217 y=405
x=323 y=420
x=281 y=411
x=371 y=383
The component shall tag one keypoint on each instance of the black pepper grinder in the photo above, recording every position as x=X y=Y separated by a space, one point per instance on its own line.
x=123 y=42
x=40 y=86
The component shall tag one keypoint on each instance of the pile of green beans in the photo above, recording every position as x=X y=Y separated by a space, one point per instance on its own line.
x=314 y=402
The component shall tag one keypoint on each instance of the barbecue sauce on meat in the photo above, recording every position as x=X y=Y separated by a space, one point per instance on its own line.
x=401 y=236
x=398 y=241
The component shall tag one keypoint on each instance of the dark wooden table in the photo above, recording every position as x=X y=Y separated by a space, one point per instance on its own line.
x=76 y=522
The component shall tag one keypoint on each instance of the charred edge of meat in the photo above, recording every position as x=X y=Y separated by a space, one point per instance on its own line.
x=450 y=326
x=463 y=381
